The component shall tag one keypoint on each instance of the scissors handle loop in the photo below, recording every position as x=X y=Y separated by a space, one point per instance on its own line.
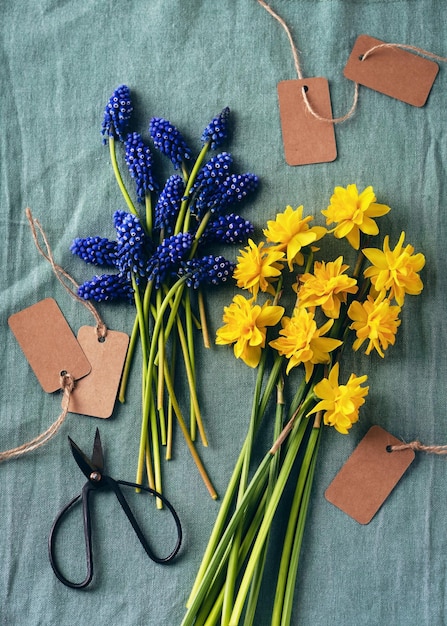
x=87 y=536
x=114 y=485
x=122 y=500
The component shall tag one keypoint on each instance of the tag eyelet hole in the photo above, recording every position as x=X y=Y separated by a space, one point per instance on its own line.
x=389 y=448
x=63 y=373
x=305 y=88
x=361 y=57
x=101 y=339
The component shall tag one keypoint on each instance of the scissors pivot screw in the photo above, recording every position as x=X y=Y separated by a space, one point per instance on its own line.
x=95 y=476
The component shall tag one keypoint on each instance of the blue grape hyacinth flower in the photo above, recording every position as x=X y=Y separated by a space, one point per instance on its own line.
x=209 y=270
x=217 y=130
x=168 y=204
x=167 y=257
x=139 y=161
x=96 y=250
x=228 y=229
x=106 y=287
x=133 y=245
x=168 y=140
x=117 y=114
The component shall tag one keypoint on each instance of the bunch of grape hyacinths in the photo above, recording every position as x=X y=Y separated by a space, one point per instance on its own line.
x=162 y=261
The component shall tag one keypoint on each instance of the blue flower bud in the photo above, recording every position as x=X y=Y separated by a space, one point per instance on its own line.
x=167 y=257
x=106 y=287
x=117 y=114
x=229 y=228
x=212 y=174
x=216 y=131
x=210 y=270
x=169 y=141
x=96 y=250
x=139 y=161
x=168 y=205
x=133 y=244
x=234 y=188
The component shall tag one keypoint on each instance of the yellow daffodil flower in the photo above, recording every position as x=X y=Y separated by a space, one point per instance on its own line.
x=340 y=403
x=258 y=267
x=290 y=233
x=302 y=342
x=245 y=326
x=395 y=270
x=376 y=320
x=327 y=287
x=353 y=212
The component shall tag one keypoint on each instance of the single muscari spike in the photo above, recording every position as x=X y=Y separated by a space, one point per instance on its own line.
x=209 y=270
x=133 y=245
x=117 y=114
x=168 y=204
x=167 y=257
x=139 y=161
x=107 y=287
x=233 y=189
x=96 y=250
x=213 y=173
x=217 y=130
x=229 y=228
x=168 y=140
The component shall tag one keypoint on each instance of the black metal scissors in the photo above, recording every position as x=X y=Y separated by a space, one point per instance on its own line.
x=97 y=480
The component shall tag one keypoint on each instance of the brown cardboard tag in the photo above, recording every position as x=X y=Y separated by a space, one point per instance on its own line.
x=48 y=343
x=391 y=71
x=306 y=139
x=369 y=475
x=95 y=394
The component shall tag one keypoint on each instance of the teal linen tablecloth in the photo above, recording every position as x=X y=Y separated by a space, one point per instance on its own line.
x=60 y=62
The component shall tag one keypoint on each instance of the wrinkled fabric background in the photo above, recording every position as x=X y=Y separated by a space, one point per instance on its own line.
x=60 y=62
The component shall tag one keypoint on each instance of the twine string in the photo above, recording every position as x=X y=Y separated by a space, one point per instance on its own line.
x=350 y=113
x=61 y=274
x=67 y=386
x=417 y=446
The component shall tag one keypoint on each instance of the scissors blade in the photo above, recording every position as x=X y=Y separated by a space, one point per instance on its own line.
x=97 y=455
x=85 y=465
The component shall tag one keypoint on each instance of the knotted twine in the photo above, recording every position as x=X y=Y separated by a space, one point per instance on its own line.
x=417 y=446
x=67 y=381
x=350 y=113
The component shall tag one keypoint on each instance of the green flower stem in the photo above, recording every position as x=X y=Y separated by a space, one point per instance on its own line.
x=273 y=475
x=233 y=564
x=295 y=443
x=128 y=362
x=191 y=382
x=133 y=343
x=149 y=373
x=294 y=558
x=191 y=354
x=260 y=476
x=211 y=608
x=173 y=318
x=141 y=322
x=160 y=379
x=199 y=233
x=291 y=536
x=203 y=322
x=149 y=468
x=155 y=451
x=227 y=500
x=118 y=177
x=170 y=417
x=189 y=183
x=270 y=385
x=188 y=439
